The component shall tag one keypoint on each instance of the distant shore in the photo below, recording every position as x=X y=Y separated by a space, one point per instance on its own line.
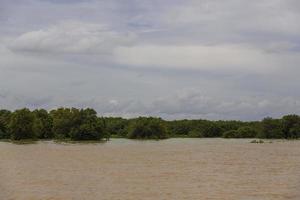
x=85 y=124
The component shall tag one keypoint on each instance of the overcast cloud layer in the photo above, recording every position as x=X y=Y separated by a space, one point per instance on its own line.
x=213 y=59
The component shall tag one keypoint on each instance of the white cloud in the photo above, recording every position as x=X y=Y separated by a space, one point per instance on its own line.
x=72 y=37
x=225 y=17
x=194 y=104
x=218 y=57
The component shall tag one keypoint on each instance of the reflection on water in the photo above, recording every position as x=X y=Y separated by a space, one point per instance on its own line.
x=214 y=169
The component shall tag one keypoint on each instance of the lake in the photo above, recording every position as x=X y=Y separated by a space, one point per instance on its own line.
x=214 y=169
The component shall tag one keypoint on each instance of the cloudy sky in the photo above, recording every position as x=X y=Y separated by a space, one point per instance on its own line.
x=213 y=59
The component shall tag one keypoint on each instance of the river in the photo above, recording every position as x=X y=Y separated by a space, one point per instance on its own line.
x=173 y=169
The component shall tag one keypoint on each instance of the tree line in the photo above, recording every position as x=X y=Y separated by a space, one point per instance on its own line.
x=85 y=124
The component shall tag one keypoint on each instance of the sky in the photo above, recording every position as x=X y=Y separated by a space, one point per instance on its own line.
x=175 y=59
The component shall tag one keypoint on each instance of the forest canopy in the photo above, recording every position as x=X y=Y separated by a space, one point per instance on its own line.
x=86 y=124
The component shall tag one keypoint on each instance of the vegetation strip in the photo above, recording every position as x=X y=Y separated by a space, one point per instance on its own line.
x=84 y=124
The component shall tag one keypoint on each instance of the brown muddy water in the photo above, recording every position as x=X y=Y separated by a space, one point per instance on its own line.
x=214 y=169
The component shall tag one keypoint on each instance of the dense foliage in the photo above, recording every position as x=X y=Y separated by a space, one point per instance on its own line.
x=85 y=124
x=147 y=128
x=43 y=124
x=4 y=121
x=242 y=132
x=62 y=123
x=21 y=124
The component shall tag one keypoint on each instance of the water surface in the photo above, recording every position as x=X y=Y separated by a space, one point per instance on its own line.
x=215 y=169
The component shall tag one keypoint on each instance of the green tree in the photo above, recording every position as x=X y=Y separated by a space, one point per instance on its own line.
x=295 y=131
x=246 y=132
x=105 y=131
x=64 y=119
x=195 y=133
x=242 y=132
x=291 y=125
x=21 y=124
x=147 y=128
x=116 y=126
x=89 y=126
x=43 y=124
x=271 y=128
x=230 y=134
x=4 y=121
x=212 y=130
